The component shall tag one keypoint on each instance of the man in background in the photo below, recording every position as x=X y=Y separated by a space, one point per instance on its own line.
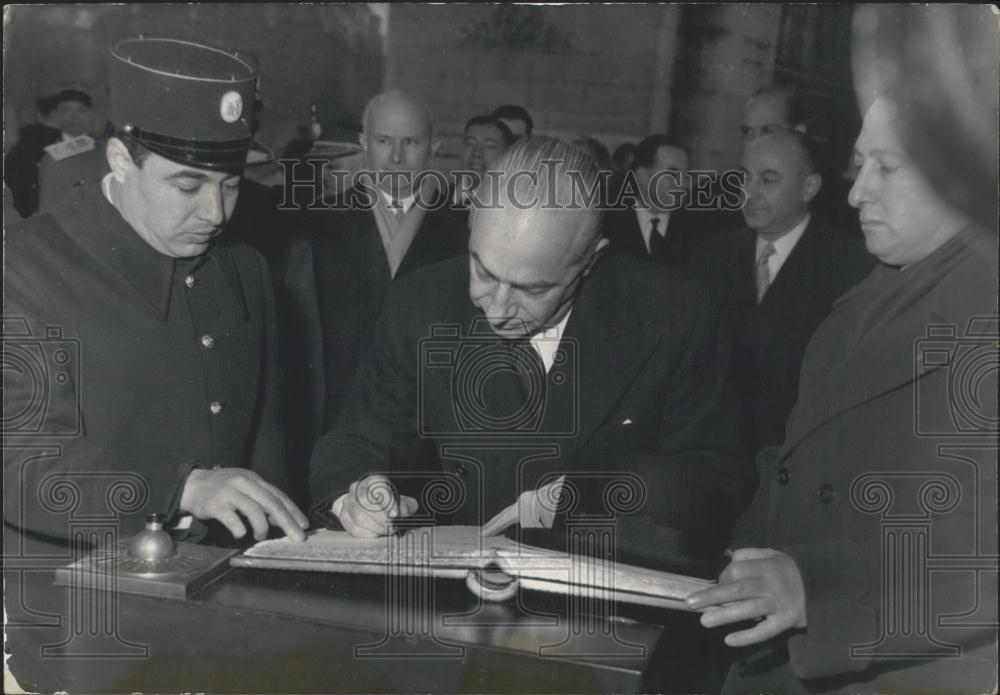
x=777 y=278
x=337 y=276
x=656 y=226
x=65 y=116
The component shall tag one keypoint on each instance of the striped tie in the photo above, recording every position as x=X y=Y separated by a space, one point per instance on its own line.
x=762 y=271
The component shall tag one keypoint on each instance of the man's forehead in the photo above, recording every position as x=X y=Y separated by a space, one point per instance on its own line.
x=395 y=115
x=535 y=235
x=775 y=152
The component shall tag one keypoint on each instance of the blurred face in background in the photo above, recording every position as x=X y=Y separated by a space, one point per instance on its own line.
x=72 y=117
x=482 y=145
x=667 y=177
x=903 y=218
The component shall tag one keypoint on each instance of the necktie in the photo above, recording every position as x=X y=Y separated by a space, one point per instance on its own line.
x=657 y=241
x=530 y=368
x=762 y=271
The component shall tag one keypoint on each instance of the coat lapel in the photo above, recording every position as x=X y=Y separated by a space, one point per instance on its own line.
x=838 y=376
x=606 y=331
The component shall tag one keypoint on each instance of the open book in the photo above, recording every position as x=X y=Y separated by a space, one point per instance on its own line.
x=457 y=551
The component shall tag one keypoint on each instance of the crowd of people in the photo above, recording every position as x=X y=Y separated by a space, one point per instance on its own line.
x=264 y=367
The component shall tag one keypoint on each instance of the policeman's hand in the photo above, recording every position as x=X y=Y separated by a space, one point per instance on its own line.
x=759 y=584
x=226 y=493
x=370 y=506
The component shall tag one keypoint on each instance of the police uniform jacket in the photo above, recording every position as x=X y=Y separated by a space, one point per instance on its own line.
x=133 y=369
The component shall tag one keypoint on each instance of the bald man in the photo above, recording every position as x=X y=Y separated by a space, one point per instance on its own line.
x=338 y=274
x=541 y=359
x=777 y=278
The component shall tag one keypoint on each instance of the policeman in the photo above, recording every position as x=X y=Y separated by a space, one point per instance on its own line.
x=152 y=338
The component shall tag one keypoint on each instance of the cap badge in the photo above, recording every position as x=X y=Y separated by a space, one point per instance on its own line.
x=231 y=107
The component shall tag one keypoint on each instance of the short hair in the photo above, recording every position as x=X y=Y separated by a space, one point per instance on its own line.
x=136 y=149
x=624 y=154
x=490 y=120
x=48 y=104
x=791 y=97
x=804 y=146
x=574 y=170
x=515 y=112
x=645 y=151
x=595 y=148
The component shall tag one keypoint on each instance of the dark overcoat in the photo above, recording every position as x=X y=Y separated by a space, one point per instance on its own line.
x=129 y=369
x=884 y=492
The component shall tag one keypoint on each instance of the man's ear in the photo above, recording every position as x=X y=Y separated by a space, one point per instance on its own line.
x=811 y=187
x=435 y=144
x=602 y=244
x=119 y=159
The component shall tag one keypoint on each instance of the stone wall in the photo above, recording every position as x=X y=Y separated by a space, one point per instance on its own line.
x=602 y=70
x=328 y=55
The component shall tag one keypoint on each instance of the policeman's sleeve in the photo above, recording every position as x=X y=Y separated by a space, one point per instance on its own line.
x=58 y=481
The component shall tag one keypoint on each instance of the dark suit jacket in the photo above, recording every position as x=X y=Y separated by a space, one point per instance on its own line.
x=686 y=230
x=333 y=287
x=889 y=466
x=770 y=338
x=639 y=398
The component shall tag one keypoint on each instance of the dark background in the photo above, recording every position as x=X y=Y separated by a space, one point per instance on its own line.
x=616 y=72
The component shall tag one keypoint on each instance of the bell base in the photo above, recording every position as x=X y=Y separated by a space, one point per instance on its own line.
x=177 y=577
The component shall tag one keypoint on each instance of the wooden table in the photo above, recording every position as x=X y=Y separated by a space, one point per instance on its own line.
x=305 y=632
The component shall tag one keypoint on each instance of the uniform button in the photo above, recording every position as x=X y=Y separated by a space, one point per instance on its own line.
x=462 y=470
x=743 y=669
x=208 y=341
x=783 y=476
x=826 y=493
x=215 y=407
x=189 y=281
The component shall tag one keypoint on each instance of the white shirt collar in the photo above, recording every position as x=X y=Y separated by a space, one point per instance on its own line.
x=546 y=342
x=783 y=246
x=405 y=201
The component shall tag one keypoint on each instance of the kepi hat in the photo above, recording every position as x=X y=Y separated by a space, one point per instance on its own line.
x=186 y=101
